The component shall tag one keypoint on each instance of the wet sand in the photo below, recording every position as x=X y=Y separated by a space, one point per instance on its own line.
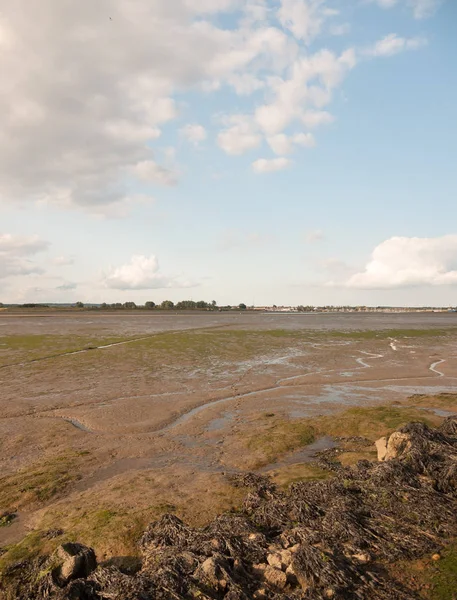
x=172 y=394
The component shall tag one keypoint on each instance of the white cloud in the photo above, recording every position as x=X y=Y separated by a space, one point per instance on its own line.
x=15 y=251
x=315 y=118
x=393 y=44
x=151 y=172
x=310 y=86
x=79 y=117
x=304 y=18
x=194 y=133
x=422 y=9
x=403 y=262
x=265 y=165
x=240 y=136
x=142 y=273
x=282 y=144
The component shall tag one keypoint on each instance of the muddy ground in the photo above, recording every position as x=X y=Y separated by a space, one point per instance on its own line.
x=117 y=418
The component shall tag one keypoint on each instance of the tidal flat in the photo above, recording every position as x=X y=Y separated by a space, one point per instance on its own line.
x=109 y=420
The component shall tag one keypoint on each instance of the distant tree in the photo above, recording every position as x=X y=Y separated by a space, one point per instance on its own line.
x=103 y=305
x=201 y=304
x=167 y=305
x=129 y=305
x=79 y=305
x=214 y=303
x=149 y=305
x=242 y=306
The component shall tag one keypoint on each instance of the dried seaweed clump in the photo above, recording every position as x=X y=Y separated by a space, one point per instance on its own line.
x=329 y=539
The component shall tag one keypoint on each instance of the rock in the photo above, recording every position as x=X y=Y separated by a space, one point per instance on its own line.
x=259 y=569
x=295 y=548
x=286 y=558
x=72 y=561
x=212 y=573
x=362 y=558
x=329 y=593
x=274 y=560
x=436 y=557
x=398 y=444
x=260 y=594
x=275 y=577
x=381 y=447
x=290 y=574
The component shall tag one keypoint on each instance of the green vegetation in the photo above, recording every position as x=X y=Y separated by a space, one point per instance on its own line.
x=278 y=438
x=30 y=546
x=444 y=575
x=37 y=484
x=6 y=519
x=372 y=422
x=286 y=476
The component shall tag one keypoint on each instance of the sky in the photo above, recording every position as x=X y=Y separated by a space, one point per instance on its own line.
x=260 y=151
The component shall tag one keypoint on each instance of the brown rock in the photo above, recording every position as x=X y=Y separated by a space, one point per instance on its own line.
x=381 y=447
x=275 y=577
x=72 y=561
x=274 y=560
x=436 y=557
x=259 y=569
x=398 y=444
x=260 y=594
x=290 y=574
x=286 y=558
x=362 y=558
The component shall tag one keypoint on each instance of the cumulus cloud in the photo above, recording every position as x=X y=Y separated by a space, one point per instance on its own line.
x=194 y=133
x=151 y=172
x=283 y=144
x=422 y=9
x=240 y=136
x=142 y=273
x=270 y=165
x=79 y=116
x=302 y=95
x=402 y=262
x=304 y=18
x=393 y=44
x=15 y=253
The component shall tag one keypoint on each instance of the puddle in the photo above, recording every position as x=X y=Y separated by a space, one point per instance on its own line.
x=221 y=422
x=439 y=412
x=303 y=455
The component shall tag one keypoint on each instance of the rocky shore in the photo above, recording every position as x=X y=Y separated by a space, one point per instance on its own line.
x=338 y=538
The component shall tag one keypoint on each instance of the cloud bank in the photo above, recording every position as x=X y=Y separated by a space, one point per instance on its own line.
x=87 y=88
x=404 y=262
x=142 y=273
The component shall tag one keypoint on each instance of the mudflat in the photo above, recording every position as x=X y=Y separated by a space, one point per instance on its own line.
x=110 y=419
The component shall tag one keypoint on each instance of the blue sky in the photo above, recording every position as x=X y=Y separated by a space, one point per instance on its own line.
x=258 y=151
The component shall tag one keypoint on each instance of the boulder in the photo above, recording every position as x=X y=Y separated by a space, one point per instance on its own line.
x=398 y=444
x=274 y=560
x=381 y=447
x=72 y=561
x=276 y=578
